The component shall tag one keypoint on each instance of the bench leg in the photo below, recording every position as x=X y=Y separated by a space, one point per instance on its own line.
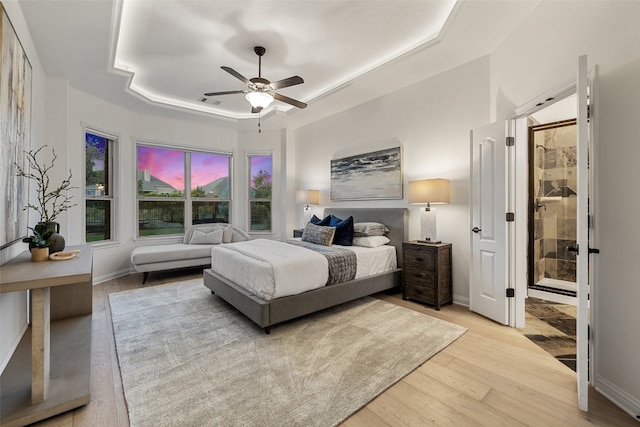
x=144 y=277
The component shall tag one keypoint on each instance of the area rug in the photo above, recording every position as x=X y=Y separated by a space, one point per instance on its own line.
x=188 y=358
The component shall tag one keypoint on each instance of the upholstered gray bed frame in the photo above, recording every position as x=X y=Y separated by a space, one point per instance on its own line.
x=268 y=313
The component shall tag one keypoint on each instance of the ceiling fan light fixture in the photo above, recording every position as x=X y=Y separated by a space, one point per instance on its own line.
x=259 y=100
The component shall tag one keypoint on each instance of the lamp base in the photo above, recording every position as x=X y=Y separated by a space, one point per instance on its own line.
x=429 y=241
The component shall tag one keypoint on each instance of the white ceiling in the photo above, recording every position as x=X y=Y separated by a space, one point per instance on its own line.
x=161 y=56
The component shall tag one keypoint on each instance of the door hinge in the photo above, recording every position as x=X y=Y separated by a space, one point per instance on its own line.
x=511 y=141
x=511 y=292
x=511 y=217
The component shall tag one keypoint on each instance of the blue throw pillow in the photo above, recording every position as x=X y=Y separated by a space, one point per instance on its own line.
x=324 y=222
x=344 y=230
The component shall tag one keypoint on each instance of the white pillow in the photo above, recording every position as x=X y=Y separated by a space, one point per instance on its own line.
x=364 y=229
x=211 y=238
x=370 y=241
x=227 y=234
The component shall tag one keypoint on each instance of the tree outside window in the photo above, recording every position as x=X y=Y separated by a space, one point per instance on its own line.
x=260 y=194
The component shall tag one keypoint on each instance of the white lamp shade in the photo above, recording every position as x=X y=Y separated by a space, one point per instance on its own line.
x=259 y=100
x=430 y=191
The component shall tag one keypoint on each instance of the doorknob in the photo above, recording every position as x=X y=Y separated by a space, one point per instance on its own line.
x=476 y=230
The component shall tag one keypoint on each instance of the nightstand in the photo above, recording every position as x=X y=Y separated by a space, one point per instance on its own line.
x=426 y=273
x=298 y=232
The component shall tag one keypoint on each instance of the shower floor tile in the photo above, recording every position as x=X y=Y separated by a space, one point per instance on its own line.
x=552 y=326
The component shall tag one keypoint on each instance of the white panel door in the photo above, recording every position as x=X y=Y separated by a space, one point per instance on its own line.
x=488 y=270
x=582 y=238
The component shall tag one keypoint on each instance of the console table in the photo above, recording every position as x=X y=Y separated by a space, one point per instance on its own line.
x=49 y=373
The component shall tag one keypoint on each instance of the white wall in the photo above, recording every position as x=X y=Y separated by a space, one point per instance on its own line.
x=431 y=120
x=540 y=55
x=617 y=293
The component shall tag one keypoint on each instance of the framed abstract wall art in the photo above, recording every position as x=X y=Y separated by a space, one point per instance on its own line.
x=15 y=132
x=370 y=176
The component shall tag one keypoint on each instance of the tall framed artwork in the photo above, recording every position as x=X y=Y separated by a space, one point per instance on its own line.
x=376 y=175
x=15 y=132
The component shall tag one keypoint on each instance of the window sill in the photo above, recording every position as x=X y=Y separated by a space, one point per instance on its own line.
x=104 y=244
x=158 y=240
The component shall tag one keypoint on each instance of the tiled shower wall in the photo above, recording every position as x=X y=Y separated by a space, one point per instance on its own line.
x=554 y=186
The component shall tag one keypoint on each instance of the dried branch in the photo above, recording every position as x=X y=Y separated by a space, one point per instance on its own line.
x=51 y=203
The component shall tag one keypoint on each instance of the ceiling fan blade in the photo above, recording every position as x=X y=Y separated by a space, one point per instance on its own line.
x=230 y=92
x=290 y=101
x=291 y=81
x=236 y=74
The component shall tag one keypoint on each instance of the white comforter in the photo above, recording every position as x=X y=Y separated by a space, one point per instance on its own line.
x=295 y=269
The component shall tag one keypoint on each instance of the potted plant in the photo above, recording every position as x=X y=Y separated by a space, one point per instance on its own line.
x=38 y=244
x=51 y=202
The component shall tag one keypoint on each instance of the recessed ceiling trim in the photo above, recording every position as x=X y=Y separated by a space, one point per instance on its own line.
x=122 y=29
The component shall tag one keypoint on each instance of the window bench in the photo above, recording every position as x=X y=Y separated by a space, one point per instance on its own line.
x=146 y=259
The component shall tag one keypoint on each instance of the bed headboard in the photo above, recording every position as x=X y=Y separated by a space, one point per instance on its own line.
x=396 y=220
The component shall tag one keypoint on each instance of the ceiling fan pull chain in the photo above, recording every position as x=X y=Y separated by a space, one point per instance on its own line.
x=259 y=128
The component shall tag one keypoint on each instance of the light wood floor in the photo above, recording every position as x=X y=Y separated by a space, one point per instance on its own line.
x=491 y=376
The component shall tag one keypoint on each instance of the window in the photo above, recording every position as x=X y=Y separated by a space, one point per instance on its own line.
x=164 y=174
x=260 y=192
x=98 y=188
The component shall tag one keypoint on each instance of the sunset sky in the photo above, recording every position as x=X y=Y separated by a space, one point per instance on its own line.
x=168 y=165
x=260 y=163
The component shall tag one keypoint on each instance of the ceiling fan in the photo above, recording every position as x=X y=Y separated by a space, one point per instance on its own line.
x=261 y=92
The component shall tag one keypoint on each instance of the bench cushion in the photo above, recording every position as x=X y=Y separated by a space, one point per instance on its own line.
x=165 y=253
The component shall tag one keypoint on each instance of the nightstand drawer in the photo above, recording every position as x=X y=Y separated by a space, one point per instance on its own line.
x=420 y=293
x=423 y=278
x=419 y=259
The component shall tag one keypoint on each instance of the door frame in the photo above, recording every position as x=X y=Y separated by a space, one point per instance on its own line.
x=518 y=129
x=519 y=200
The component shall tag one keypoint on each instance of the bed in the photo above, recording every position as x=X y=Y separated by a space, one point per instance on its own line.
x=266 y=313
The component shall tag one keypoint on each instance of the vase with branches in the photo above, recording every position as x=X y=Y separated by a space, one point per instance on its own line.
x=51 y=201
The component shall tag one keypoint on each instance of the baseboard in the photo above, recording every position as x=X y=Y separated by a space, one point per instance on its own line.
x=619 y=397
x=112 y=275
x=460 y=300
